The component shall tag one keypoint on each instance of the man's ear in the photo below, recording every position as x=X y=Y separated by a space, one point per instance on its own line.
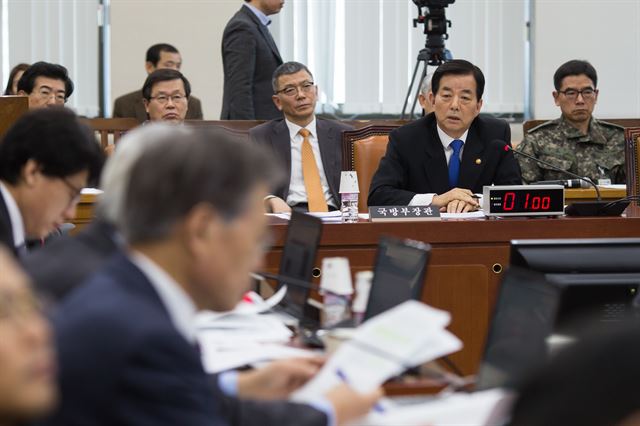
x=149 y=67
x=30 y=172
x=432 y=99
x=22 y=93
x=146 y=105
x=276 y=101
x=201 y=225
x=555 y=97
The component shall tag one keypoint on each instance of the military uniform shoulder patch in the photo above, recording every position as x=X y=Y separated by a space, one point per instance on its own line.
x=546 y=124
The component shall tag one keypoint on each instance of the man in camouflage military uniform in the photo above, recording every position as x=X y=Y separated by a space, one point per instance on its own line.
x=576 y=141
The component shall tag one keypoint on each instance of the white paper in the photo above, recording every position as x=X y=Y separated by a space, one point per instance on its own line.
x=95 y=191
x=257 y=305
x=469 y=215
x=217 y=359
x=477 y=409
x=407 y=335
x=613 y=186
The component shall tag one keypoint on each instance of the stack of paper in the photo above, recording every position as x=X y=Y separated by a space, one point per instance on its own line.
x=408 y=335
x=489 y=407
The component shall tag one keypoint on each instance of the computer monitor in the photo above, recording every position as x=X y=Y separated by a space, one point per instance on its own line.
x=599 y=278
x=398 y=274
x=298 y=257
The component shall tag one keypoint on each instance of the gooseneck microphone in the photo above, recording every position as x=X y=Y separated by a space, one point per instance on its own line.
x=556 y=168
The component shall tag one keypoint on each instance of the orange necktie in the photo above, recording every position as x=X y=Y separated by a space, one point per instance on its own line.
x=311 y=176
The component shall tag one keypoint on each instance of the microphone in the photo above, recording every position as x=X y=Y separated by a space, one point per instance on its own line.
x=507 y=148
x=568 y=183
x=283 y=280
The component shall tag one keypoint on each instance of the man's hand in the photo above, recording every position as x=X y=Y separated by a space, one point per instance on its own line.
x=276 y=205
x=350 y=405
x=278 y=379
x=458 y=200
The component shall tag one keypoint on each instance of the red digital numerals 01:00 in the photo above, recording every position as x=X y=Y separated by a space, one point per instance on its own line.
x=530 y=203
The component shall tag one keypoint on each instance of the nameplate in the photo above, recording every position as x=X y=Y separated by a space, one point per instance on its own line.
x=403 y=213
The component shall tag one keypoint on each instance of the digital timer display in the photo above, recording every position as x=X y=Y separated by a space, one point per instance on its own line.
x=524 y=200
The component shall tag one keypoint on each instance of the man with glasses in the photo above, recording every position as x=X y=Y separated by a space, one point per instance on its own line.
x=576 y=141
x=309 y=147
x=46 y=85
x=166 y=96
x=46 y=158
x=159 y=56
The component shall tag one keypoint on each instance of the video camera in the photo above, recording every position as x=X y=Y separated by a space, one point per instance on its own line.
x=435 y=27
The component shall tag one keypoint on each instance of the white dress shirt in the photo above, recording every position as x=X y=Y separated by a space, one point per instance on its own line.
x=15 y=217
x=264 y=19
x=297 y=190
x=445 y=139
x=181 y=308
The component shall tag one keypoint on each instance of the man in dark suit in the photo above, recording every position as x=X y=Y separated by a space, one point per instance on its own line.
x=46 y=158
x=249 y=57
x=159 y=56
x=445 y=157
x=127 y=348
x=295 y=94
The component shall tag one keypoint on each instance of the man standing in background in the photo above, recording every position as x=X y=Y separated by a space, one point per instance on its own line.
x=249 y=57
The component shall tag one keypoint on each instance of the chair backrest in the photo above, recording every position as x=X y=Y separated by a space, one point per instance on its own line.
x=11 y=108
x=632 y=154
x=624 y=122
x=113 y=128
x=362 y=150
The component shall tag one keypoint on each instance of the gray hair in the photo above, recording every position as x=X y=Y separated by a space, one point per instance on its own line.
x=183 y=169
x=286 y=69
x=425 y=87
x=115 y=174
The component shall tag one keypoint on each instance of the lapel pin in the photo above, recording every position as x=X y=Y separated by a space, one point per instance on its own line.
x=478 y=161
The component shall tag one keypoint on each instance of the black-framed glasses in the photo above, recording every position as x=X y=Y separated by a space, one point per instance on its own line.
x=306 y=87
x=588 y=93
x=46 y=93
x=164 y=99
x=75 y=192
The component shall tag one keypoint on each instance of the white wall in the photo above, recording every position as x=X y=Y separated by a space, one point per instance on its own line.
x=194 y=26
x=606 y=33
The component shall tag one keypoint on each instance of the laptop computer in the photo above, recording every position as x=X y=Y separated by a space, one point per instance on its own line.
x=524 y=317
x=298 y=258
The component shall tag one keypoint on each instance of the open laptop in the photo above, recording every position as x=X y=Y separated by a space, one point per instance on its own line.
x=524 y=317
x=298 y=258
x=398 y=274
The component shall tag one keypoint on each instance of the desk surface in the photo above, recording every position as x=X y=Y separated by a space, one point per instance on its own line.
x=467 y=263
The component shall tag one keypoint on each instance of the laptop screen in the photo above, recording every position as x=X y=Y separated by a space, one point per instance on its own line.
x=398 y=274
x=523 y=319
x=298 y=257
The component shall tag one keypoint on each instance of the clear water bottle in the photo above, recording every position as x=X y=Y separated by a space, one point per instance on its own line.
x=349 y=207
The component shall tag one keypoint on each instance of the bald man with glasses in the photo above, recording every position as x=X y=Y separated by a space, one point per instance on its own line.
x=576 y=141
x=308 y=147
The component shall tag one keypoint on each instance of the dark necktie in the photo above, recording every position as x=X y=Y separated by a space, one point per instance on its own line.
x=454 y=162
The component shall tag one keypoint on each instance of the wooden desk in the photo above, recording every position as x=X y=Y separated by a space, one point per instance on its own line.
x=467 y=261
x=571 y=195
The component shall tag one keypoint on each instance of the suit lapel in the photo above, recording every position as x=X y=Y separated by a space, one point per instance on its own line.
x=328 y=142
x=281 y=143
x=435 y=166
x=472 y=159
x=264 y=31
x=6 y=230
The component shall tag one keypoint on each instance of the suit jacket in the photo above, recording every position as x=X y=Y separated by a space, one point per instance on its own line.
x=131 y=105
x=6 y=231
x=67 y=261
x=275 y=135
x=122 y=362
x=415 y=162
x=249 y=58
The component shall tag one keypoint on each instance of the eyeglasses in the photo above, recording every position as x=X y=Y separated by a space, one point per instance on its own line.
x=572 y=94
x=291 y=91
x=163 y=99
x=46 y=93
x=16 y=307
x=75 y=192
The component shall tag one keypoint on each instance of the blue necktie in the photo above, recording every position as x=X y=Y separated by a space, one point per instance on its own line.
x=454 y=162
